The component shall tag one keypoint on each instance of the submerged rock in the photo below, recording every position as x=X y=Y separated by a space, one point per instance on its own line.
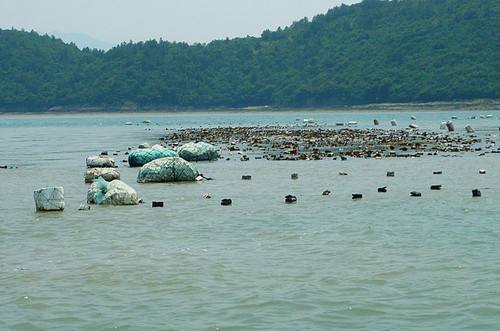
x=100 y=161
x=198 y=152
x=142 y=156
x=170 y=169
x=115 y=193
x=108 y=174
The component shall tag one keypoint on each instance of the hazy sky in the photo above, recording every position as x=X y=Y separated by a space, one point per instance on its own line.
x=180 y=20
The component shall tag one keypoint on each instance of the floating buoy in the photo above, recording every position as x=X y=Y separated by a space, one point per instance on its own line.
x=327 y=192
x=382 y=189
x=157 y=204
x=290 y=199
x=376 y=122
x=357 y=196
x=295 y=176
x=246 y=177
x=391 y=174
x=476 y=193
x=226 y=202
x=438 y=172
x=436 y=187
x=482 y=172
x=416 y=194
x=394 y=123
x=413 y=118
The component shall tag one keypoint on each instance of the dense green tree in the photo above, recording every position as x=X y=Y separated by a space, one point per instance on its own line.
x=374 y=51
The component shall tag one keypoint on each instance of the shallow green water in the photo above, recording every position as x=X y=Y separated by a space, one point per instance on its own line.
x=387 y=262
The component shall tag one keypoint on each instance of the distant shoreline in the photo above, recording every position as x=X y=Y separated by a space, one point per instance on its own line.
x=471 y=105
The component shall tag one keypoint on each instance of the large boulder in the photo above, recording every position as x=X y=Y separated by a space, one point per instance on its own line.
x=198 y=152
x=170 y=169
x=108 y=174
x=49 y=199
x=140 y=157
x=115 y=193
x=100 y=161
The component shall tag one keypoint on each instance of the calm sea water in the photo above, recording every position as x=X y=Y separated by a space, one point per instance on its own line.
x=387 y=262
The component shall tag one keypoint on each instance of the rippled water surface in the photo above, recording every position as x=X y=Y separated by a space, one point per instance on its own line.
x=386 y=262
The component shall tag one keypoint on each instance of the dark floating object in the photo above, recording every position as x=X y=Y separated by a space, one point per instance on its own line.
x=226 y=202
x=157 y=204
x=382 y=189
x=104 y=153
x=391 y=174
x=436 y=187
x=343 y=158
x=246 y=177
x=476 y=193
x=357 y=196
x=3 y=167
x=375 y=122
x=482 y=172
x=290 y=199
x=415 y=194
x=295 y=176
x=207 y=196
x=437 y=172
x=327 y=192
x=343 y=174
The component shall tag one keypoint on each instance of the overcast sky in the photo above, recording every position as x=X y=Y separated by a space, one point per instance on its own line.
x=115 y=21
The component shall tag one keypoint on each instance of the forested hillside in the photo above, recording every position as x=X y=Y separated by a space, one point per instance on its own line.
x=375 y=51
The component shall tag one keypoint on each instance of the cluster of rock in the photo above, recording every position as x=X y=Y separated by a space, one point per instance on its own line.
x=158 y=165
x=291 y=143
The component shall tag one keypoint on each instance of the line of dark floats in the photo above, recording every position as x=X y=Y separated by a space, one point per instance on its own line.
x=290 y=199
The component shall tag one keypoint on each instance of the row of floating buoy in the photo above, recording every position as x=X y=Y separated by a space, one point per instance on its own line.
x=291 y=199
x=295 y=176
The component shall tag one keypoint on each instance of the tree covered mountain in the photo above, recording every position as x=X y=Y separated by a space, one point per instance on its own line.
x=374 y=51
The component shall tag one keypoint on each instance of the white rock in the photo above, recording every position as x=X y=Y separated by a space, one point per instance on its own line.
x=108 y=174
x=49 y=199
x=116 y=193
x=100 y=162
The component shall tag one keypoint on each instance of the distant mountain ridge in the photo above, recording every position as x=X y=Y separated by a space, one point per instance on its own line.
x=373 y=52
x=82 y=40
